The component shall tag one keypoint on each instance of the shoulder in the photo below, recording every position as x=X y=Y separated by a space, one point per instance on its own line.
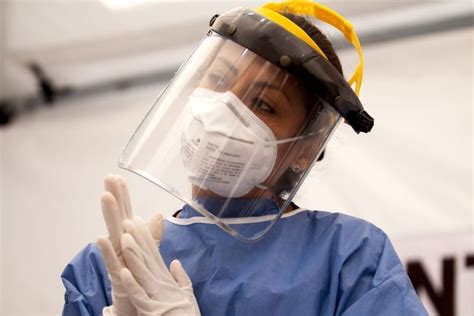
x=353 y=244
x=86 y=264
x=367 y=266
x=86 y=283
x=88 y=260
x=339 y=226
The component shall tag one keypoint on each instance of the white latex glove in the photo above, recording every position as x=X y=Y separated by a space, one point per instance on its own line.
x=151 y=287
x=116 y=208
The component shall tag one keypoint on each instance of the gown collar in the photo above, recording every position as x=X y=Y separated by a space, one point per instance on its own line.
x=233 y=207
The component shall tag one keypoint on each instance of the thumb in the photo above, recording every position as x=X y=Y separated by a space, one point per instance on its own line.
x=184 y=282
x=180 y=275
x=156 y=227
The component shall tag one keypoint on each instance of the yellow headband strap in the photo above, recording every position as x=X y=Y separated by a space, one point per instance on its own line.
x=290 y=26
x=323 y=13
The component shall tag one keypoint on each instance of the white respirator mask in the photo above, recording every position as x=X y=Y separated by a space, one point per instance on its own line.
x=226 y=148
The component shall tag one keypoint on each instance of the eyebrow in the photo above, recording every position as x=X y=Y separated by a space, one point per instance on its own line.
x=266 y=85
x=229 y=64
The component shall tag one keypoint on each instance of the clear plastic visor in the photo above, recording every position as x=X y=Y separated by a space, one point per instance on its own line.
x=232 y=136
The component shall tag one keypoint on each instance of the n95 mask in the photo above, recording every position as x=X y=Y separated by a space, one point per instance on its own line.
x=226 y=148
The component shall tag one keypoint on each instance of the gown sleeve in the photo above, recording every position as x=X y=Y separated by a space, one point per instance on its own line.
x=389 y=291
x=88 y=288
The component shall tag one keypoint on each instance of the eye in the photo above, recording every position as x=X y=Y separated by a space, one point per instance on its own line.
x=263 y=106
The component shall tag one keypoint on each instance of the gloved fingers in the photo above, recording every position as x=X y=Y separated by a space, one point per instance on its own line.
x=126 y=196
x=151 y=257
x=139 y=231
x=108 y=311
x=156 y=227
x=150 y=242
x=180 y=275
x=135 y=292
x=130 y=228
x=122 y=306
x=113 y=186
x=112 y=219
x=137 y=266
x=129 y=244
x=184 y=283
x=112 y=263
x=145 y=245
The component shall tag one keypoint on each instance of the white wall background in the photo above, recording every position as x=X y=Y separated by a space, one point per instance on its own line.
x=412 y=176
x=86 y=42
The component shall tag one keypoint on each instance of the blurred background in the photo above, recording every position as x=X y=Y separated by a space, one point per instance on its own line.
x=76 y=78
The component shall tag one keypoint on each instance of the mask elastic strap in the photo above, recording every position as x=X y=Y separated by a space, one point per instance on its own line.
x=325 y=14
x=261 y=186
x=282 y=141
x=292 y=139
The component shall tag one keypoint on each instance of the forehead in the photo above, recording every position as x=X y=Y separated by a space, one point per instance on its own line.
x=243 y=64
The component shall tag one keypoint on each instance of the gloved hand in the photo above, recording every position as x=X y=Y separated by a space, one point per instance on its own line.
x=151 y=287
x=116 y=208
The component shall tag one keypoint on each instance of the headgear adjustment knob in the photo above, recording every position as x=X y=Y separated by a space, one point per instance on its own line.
x=360 y=121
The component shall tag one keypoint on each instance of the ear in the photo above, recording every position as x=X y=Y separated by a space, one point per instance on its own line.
x=306 y=153
x=303 y=162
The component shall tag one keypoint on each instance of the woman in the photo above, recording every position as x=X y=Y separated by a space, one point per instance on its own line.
x=233 y=136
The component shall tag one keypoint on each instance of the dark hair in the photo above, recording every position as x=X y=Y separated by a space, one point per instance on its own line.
x=318 y=37
x=289 y=179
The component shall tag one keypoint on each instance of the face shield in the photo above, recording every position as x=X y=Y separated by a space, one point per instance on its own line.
x=235 y=133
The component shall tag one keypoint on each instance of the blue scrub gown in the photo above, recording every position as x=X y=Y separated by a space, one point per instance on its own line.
x=311 y=263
